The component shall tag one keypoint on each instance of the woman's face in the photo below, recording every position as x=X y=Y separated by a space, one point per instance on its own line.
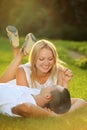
x=45 y=61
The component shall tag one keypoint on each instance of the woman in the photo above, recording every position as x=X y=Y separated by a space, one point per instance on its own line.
x=44 y=68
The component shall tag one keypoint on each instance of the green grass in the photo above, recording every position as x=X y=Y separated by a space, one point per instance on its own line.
x=76 y=120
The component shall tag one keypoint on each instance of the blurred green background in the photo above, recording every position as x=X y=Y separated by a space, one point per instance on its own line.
x=61 y=19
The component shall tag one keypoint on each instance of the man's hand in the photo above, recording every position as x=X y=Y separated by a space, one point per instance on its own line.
x=51 y=112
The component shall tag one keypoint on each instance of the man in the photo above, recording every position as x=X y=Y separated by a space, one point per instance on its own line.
x=30 y=102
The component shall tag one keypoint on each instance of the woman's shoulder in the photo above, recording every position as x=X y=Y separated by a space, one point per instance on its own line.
x=26 y=65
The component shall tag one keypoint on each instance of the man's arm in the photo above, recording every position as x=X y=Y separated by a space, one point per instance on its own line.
x=77 y=103
x=30 y=110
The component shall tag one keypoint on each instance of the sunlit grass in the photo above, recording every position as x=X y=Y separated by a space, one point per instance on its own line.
x=76 y=120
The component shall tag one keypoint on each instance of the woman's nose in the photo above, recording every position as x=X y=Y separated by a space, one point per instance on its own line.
x=46 y=62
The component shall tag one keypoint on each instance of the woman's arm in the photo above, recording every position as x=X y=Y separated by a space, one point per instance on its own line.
x=30 y=110
x=21 y=77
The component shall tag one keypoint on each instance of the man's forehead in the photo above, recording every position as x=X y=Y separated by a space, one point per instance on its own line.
x=53 y=87
x=60 y=88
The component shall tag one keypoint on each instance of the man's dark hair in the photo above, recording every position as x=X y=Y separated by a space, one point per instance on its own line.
x=60 y=102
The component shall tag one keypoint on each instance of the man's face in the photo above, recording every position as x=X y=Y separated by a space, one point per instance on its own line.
x=51 y=88
x=45 y=93
x=47 y=90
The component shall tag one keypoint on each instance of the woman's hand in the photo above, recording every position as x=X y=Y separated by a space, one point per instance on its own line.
x=64 y=76
x=67 y=75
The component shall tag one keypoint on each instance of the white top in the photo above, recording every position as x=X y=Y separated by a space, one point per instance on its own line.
x=49 y=82
x=11 y=96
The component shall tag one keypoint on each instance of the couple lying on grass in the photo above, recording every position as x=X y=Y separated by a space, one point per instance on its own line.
x=39 y=87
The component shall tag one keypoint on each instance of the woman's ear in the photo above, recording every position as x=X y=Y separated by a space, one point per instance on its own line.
x=47 y=96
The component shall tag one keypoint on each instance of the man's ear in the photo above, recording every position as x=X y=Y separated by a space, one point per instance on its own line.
x=47 y=96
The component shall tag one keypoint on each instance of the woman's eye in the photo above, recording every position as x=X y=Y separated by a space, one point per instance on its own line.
x=41 y=59
x=50 y=59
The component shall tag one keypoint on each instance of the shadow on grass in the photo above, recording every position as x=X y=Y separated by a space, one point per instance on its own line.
x=76 y=120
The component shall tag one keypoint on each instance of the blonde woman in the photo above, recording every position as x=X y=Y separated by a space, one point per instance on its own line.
x=44 y=68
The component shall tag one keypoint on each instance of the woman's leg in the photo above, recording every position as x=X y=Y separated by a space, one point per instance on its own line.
x=13 y=36
x=10 y=72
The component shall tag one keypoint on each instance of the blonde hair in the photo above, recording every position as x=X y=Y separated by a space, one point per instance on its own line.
x=34 y=54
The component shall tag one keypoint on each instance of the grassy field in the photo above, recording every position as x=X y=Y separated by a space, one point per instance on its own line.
x=76 y=120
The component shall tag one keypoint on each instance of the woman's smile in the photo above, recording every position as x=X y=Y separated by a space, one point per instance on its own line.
x=45 y=60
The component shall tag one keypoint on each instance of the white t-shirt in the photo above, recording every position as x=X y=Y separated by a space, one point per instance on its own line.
x=11 y=96
x=49 y=81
